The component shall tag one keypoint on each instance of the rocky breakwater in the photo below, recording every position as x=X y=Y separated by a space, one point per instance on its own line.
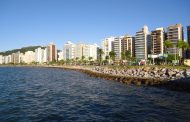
x=144 y=75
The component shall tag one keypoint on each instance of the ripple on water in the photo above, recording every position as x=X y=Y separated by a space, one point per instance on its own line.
x=47 y=94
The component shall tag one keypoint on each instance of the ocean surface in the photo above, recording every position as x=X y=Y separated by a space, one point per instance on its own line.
x=56 y=95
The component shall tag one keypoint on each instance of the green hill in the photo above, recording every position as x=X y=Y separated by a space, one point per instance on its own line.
x=22 y=50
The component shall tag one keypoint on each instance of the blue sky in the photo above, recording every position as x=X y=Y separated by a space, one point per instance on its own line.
x=38 y=22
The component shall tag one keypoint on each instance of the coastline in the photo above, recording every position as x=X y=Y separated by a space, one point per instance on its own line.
x=177 y=83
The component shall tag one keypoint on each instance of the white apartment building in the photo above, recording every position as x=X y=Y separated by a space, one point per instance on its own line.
x=116 y=47
x=41 y=55
x=79 y=51
x=86 y=50
x=28 y=57
x=16 y=57
x=60 y=56
x=142 y=42
x=6 y=59
x=107 y=46
x=69 y=51
x=1 y=59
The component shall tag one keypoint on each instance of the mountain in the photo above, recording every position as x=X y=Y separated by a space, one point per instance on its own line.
x=22 y=50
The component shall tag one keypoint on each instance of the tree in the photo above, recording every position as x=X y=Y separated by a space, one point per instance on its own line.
x=100 y=53
x=128 y=54
x=123 y=55
x=90 y=58
x=182 y=45
x=112 y=55
x=168 y=44
x=83 y=57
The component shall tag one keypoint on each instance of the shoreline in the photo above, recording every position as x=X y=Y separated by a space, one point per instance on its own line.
x=179 y=84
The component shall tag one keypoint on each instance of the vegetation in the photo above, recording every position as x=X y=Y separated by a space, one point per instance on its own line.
x=22 y=50
x=100 y=53
x=168 y=44
x=112 y=55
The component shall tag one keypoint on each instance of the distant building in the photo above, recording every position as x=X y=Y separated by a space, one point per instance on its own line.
x=28 y=57
x=107 y=46
x=79 y=51
x=142 y=42
x=1 y=59
x=60 y=55
x=90 y=50
x=157 y=41
x=51 y=52
x=41 y=55
x=175 y=33
x=69 y=51
x=6 y=59
x=128 y=44
x=116 y=47
x=188 y=40
x=86 y=51
x=16 y=57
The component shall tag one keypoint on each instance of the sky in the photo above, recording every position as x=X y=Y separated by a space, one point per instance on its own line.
x=39 y=22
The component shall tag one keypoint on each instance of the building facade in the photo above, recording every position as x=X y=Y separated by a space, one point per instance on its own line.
x=28 y=57
x=60 y=55
x=188 y=40
x=174 y=34
x=157 y=41
x=142 y=44
x=107 y=46
x=51 y=52
x=69 y=51
x=128 y=44
x=16 y=57
x=116 y=47
x=1 y=59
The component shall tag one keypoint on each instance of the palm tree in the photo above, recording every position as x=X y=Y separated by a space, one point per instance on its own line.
x=90 y=58
x=168 y=44
x=182 y=45
x=112 y=55
x=83 y=57
x=123 y=55
x=100 y=53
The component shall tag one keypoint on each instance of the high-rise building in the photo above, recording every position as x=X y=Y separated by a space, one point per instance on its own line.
x=188 y=34
x=6 y=59
x=128 y=44
x=51 y=52
x=188 y=40
x=69 y=50
x=86 y=51
x=107 y=46
x=39 y=55
x=60 y=55
x=1 y=59
x=157 y=41
x=142 y=42
x=116 y=47
x=174 y=34
x=16 y=57
x=28 y=57
x=90 y=50
x=79 y=50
